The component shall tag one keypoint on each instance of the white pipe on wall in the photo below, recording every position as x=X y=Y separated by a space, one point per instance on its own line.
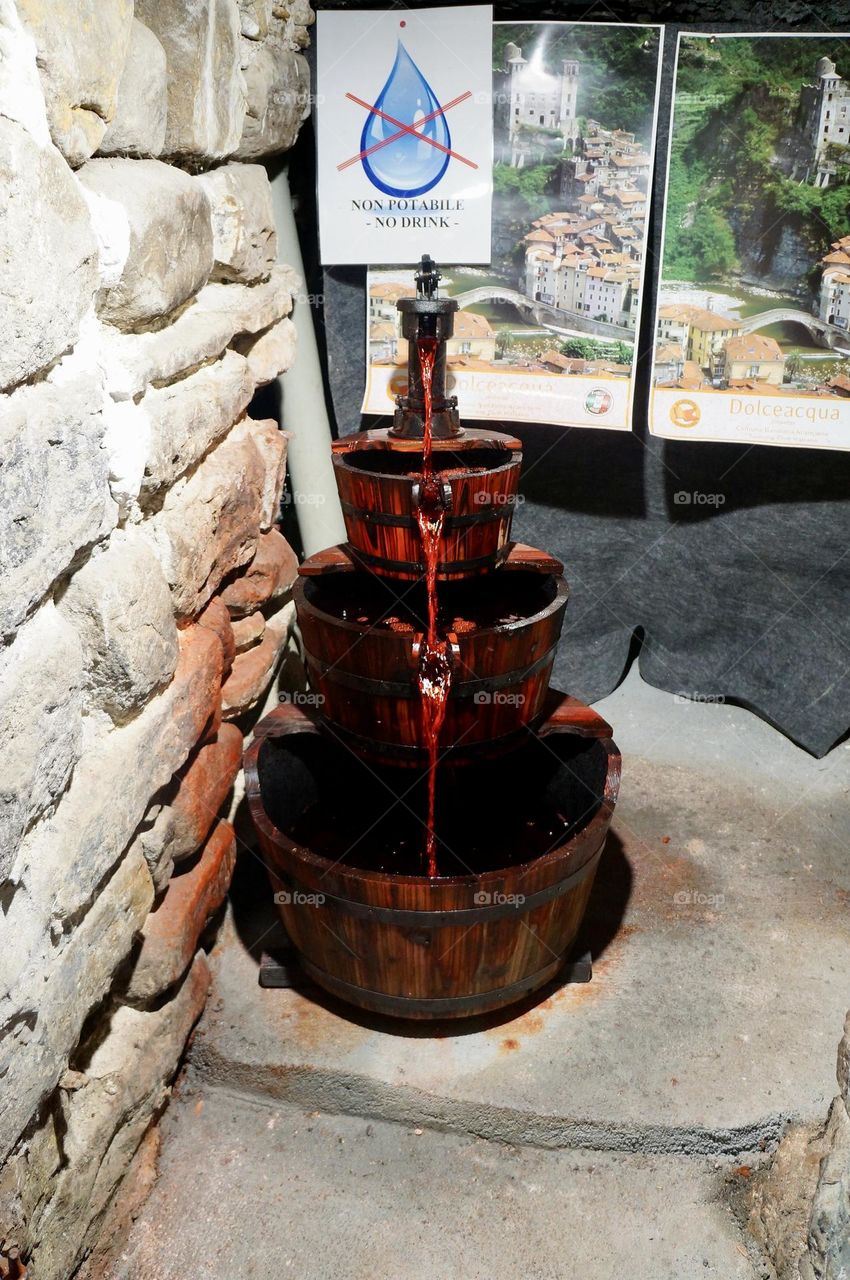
x=317 y=508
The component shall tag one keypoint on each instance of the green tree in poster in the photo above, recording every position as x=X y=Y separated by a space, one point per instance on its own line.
x=520 y=196
x=740 y=164
x=794 y=366
x=710 y=243
x=578 y=348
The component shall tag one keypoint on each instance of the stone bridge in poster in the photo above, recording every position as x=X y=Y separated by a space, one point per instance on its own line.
x=542 y=313
x=827 y=335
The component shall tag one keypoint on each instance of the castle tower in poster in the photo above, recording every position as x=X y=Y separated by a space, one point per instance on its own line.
x=537 y=99
x=825 y=109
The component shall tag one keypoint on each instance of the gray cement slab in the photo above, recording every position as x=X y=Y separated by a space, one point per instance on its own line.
x=263 y=1191
x=719 y=926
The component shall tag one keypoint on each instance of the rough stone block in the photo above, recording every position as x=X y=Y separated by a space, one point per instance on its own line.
x=278 y=98
x=780 y=1197
x=829 y=1224
x=97 y=1127
x=206 y=88
x=64 y=862
x=299 y=16
x=41 y=677
x=112 y=1231
x=186 y=418
x=82 y=45
x=250 y=677
x=138 y=125
x=253 y=670
x=209 y=523
x=21 y=96
x=155 y=238
x=120 y=604
x=202 y=330
x=248 y=631
x=126 y=440
x=195 y=690
x=280 y=623
x=203 y=786
x=170 y=934
x=270 y=573
x=843 y=1069
x=153 y=840
x=43 y=1013
x=48 y=255
x=271 y=444
x=213 y=725
x=217 y=618
x=255 y=17
x=56 y=498
x=244 y=236
x=271 y=353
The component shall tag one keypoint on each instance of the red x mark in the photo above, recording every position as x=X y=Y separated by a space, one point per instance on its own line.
x=413 y=130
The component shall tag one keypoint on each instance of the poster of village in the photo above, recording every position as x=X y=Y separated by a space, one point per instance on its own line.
x=546 y=333
x=752 y=332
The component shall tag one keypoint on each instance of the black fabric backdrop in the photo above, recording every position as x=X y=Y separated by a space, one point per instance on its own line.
x=746 y=601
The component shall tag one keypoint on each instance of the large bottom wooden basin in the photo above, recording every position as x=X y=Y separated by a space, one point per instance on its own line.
x=521 y=841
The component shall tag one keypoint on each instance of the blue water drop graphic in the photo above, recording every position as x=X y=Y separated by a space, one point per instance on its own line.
x=409 y=166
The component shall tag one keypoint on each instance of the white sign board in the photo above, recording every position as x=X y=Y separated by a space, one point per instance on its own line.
x=405 y=138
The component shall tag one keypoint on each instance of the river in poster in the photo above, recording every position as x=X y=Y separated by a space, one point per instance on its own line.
x=752 y=337
x=546 y=332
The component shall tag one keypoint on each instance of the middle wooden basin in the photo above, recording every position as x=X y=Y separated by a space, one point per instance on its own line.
x=361 y=636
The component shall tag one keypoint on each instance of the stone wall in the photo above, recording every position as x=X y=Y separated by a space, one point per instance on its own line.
x=800 y=1205
x=144 y=596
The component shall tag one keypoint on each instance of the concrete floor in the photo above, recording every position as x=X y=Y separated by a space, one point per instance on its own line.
x=718 y=928
x=260 y=1191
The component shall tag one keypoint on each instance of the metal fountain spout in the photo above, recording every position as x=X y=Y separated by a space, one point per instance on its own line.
x=426 y=316
x=427 y=277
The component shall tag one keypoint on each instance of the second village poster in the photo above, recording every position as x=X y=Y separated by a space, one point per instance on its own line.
x=751 y=332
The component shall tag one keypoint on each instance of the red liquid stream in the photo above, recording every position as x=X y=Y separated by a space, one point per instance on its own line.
x=434 y=668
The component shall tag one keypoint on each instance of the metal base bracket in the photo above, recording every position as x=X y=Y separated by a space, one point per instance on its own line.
x=280 y=969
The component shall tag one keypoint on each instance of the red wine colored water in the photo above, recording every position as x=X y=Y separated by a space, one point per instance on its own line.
x=434 y=668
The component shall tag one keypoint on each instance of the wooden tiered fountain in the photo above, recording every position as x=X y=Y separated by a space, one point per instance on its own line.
x=432 y=831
